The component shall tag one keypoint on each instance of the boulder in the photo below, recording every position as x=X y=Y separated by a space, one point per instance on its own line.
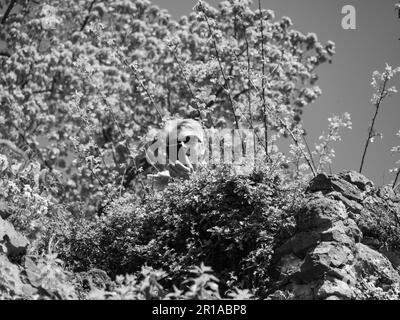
x=372 y=263
x=12 y=243
x=320 y=212
x=5 y=210
x=357 y=179
x=335 y=288
x=11 y=283
x=334 y=253
x=329 y=183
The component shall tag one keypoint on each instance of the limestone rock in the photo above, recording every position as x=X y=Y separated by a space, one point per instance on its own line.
x=327 y=184
x=10 y=280
x=5 y=210
x=371 y=262
x=336 y=288
x=357 y=179
x=334 y=253
x=299 y=244
x=320 y=213
x=12 y=243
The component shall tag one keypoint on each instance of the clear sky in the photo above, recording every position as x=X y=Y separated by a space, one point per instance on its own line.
x=346 y=82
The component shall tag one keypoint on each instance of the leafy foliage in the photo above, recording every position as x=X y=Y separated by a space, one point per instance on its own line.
x=87 y=80
x=83 y=87
x=230 y=222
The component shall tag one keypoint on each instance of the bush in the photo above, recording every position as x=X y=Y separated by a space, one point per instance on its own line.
x=230 y=222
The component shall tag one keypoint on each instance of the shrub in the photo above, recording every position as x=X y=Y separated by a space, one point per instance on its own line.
x=230 y=222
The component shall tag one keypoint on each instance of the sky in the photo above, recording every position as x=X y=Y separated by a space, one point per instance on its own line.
x=346 y=82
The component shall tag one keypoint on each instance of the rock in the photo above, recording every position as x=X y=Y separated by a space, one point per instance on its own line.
x=299 y=244
x=347 y=189
x=333 y=298
x=326 y=184
x=5 y=210
x=302 y=291
x=335 y=288
x=357 y=179
x=325 y=259
x=289 y=265
x=386 y=193
x=326 y=256
x=320 y=213
x=94 y=279
x=12 y=243
x=354 y=230
x=320 y=183
x=338 y=233
x=393 y=256
x=371 y=262
x=351 y=206
x=10 y=280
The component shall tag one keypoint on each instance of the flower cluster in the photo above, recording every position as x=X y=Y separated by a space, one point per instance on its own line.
x=323 y=150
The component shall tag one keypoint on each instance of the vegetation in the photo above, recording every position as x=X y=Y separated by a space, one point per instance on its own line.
x=84 y=85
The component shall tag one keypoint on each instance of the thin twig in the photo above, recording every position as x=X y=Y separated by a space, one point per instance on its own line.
x=309 y=151
x=265 y=118
x=5 y=54
x=104 y=98
x=283 y=124
x=248 y=77
x=8 y=10
x=182 y=71
x=377 y=105
x=226 y=82
x=397 y=178
x=87 y=16
x=135 y=73
x=10 y=145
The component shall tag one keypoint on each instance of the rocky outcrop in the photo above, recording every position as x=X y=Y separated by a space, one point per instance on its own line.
x=13 y=246
x=26 y=277
x=345 y=244
x=12 y=243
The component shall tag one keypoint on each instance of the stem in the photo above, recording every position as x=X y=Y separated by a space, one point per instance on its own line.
x=226 y=82
x=397 y=178
x=265 y=119
x=248 y=77
x=104 y=98
x=186 y=80
x=8 y=10
x=88 y=16
x=377 y=105
x=309 y=151
x=297 y=145
x=11 y=146
x=323 y=152
x=135 y=73
x=5 y=54
x=283 y=124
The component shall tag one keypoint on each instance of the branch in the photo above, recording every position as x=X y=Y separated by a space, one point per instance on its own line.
x=10 y=145
x=309 y=151
x=248 y=77
x=185 y=78
x=7 y=13
x=85 y=22
x=377 y=105
x=397 y=178
x=226 y=83
x=5 y=54
x=265 y=119
x=283 y=124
